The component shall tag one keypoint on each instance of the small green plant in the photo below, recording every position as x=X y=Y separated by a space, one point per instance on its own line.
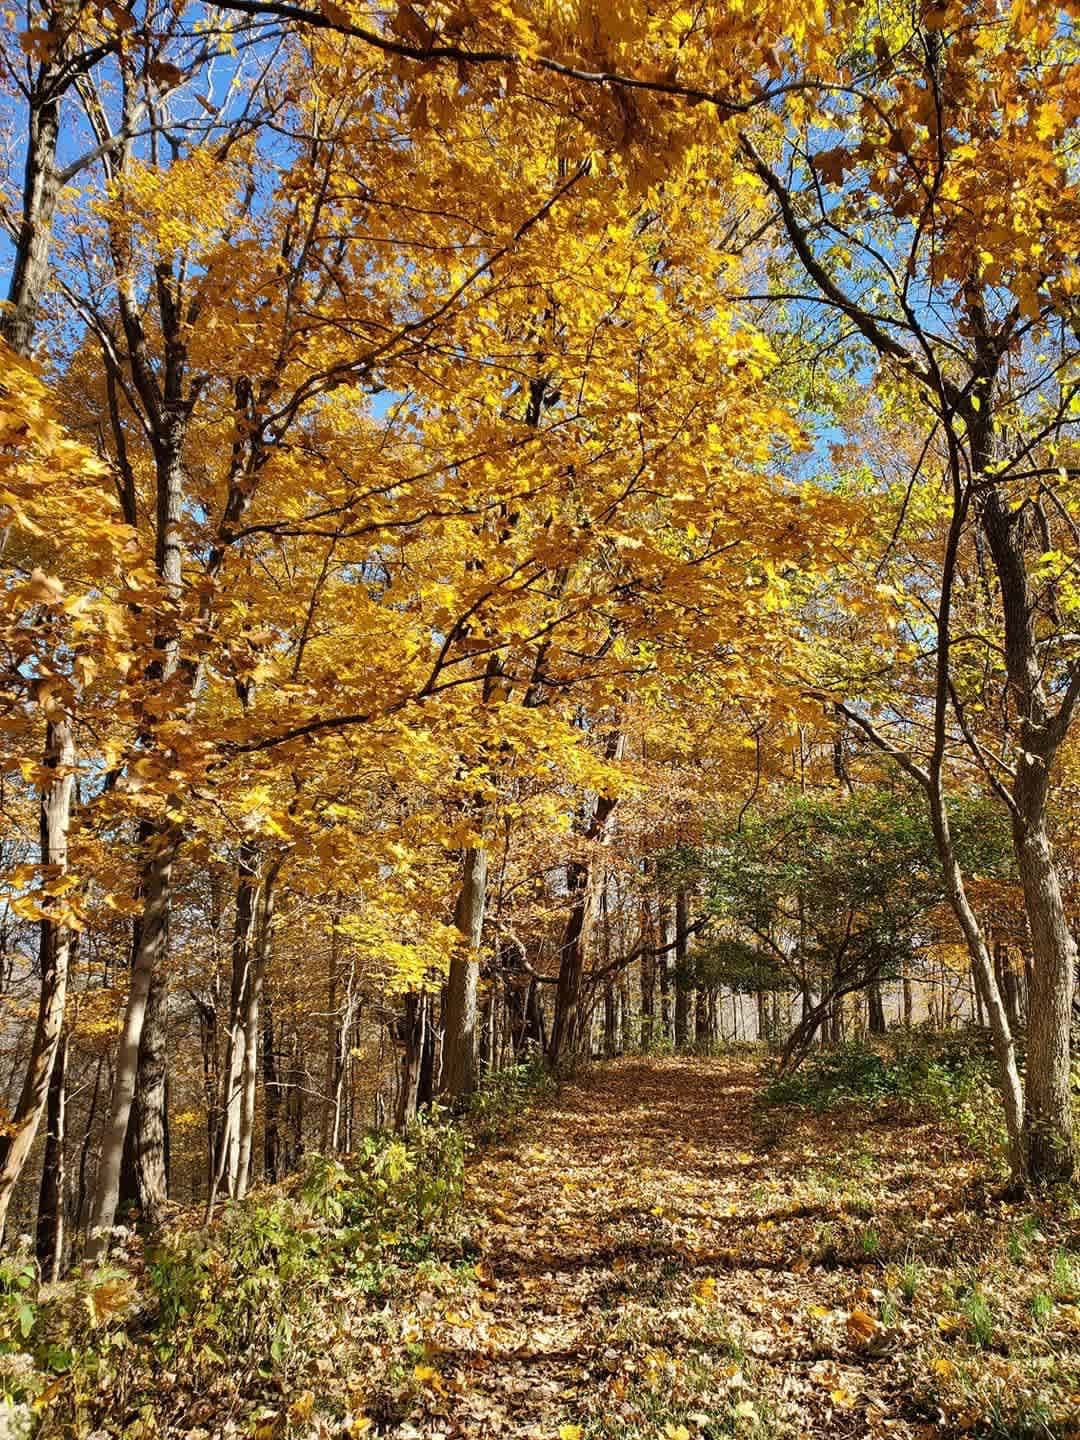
x=1019 y=1241
x=870 y=1242
x=978 y=1312
x=911 y=1278
x=1066 y=1276
x=1042 y=1307
x=18 y=1302
x=503 y=1095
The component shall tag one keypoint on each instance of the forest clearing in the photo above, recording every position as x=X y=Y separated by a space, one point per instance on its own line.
x=539 y=675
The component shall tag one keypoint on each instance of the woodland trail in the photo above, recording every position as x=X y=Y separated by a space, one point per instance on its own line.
x=661 y=1259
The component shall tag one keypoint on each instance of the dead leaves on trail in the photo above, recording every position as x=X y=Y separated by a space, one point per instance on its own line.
x=655 y=1265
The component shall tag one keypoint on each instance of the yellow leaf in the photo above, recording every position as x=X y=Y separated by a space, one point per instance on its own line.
x=861 y=1326
x=301 y=1408
x=570 y=1432
x=843 y=1399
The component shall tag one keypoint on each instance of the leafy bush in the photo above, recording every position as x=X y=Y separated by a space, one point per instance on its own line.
x=939 y=1074
x=950 y=1074
x=504 y=1094
x=394 y=1188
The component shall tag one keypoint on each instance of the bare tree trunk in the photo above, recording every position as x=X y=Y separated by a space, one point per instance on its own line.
x=49 y=1237
x=149 y=956
x=908 y=1000
x=252 y=1024
x=82 y=1187
x=414 y=1029
x=342 y=1053
x=611 y=1021
x=327 y=1122
x=41 y=189
x=682 y=989
x=714 y=1014
x=426 y=1081
x=701 y=1017
x=144 y=1182
x=54 y=954
x=1048 y=1121
x=227 y=1167
x=294 y=1104
x=666 y=928
x=272 y=1140
x=584 y=887
x=876 y=1008
x=1048 y=1117
x=1012 y=1092
x=211 y=1074
x=460 y=1012
x=626 y=1015
x=535 y=1028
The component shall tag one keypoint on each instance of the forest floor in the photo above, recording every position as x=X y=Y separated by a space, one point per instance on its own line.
x=659 y=1256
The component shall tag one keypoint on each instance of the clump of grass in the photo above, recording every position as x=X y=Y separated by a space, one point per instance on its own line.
x=1042 y=1307
x=979 y=1313
x=912 y=1275
x=1065 y=1276
x=1020 y=1239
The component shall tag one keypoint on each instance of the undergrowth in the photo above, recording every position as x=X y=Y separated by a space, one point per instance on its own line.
x=951 y=1075
x=228 y=1318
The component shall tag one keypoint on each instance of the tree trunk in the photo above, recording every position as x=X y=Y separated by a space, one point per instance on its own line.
x=227 y=1167
x=149 y=956
x=49 y=1237
x=426 y=1086
x=682 y=989
x=272 y=1140
x=327 y=1122
x=876 y=1008
x=211 y=1073
x=252 y=1023
x=144 y=1182
x=648 y=999
x=339 y=1126
x=626 y=1015
x=611 y=1021
x=666 y=927
x=460 y=1036
x=908 y=999
x=414 y=1032
x=1012 y=1093
x=54 y=956
x=296 y=1081
x=1048 y=1121
x=1048 y=1118
x=30 y=268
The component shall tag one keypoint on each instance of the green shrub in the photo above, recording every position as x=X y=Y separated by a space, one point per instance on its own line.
x=504 y=1094
x=951 y=1074
x=394 y=1189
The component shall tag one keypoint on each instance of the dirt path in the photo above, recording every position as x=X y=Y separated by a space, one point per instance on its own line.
x=660 y=1259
